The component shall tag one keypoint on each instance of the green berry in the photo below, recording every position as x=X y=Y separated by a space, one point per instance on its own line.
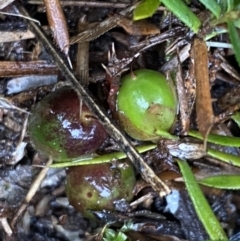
x=146 y=104
x=58 y=130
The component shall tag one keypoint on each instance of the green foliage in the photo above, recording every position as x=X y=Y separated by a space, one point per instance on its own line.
x=225 y=11
x=112 y=235
x=203 y=210
x=145 y=9
x=234 y=37
x=184 y=13
x=217 y=139
x=236 y=118
x=225 y=157
x=213 y=6
x=222 y=181
x=92 y=160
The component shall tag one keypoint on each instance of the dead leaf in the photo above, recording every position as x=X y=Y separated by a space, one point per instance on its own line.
x=205 y=117
x=138 y=27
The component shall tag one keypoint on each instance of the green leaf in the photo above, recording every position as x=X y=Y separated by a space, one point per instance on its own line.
x=217 y=139
x=121 y=237
x=230 y=4
x=236 y=118
x=185 y=14
x=235 y=40
x=225 y=157
x=145 y=9
x=222 y=181
x=109 y=234
x=213 y=6
x=237 y=23
x=203 y=210
x=102 y=158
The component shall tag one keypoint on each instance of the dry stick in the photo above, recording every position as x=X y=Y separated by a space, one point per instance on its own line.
x=205 y=117
x=96 y=4
x=100 y=28
x=147 y=173
x=82 y=66
x=33 y=189
x=20 y=68
x=96 y=31
x=182 y=98
x=228 y=68
x=6 y=226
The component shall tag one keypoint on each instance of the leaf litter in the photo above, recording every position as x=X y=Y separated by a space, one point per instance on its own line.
x=48 y=208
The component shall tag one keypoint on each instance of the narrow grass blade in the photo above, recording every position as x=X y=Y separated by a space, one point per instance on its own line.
x=145 y=9
x=222 y=181
x=225 y=157
x=185 y=14
x=203 y=210
x=235 y=40
x=213 y=6
x=217 y=139
x=102 y=158
x=236 y=118
x=230 y=5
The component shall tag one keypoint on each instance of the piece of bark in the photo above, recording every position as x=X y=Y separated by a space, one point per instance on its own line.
x=14 y=68
x=205 y=117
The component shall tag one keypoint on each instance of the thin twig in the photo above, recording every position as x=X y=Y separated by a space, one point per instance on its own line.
x=33 y=189
x=96 y=4
x=6 y=226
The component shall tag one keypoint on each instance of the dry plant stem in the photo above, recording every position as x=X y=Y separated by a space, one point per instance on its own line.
x=78 y=3
x=57 y=23
x=13 y=68
x=147 y=173
x=182 y=98
x=15 y=36
x=148 y=43
x=82 y=68
x=6 y=226
x=228 y=68
x=205 y=117
x=226 y=114
x=96 y=31
x=33 y=189
x=6 y=103
x=100 y=28
x=173 y=63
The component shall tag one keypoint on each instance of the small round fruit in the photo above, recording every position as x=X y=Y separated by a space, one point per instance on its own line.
x=57 y=129
x=146 y=104
x=99 y=186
